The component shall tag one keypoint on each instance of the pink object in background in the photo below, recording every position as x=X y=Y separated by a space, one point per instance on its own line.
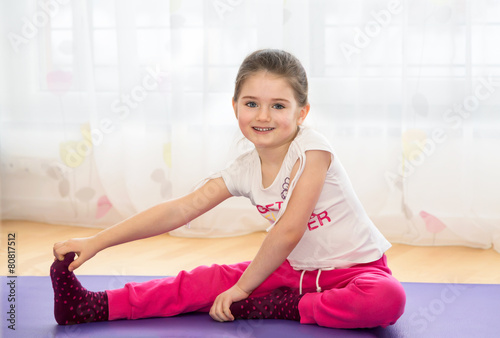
x=59 y=81
x=103 y=206
x=432 y=223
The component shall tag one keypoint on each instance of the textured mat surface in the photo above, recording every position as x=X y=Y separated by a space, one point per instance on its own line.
x=432 y=310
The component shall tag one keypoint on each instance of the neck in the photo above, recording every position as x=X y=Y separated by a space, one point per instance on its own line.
x=273 y=157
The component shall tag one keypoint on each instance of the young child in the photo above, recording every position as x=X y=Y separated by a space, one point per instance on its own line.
x=322 y=260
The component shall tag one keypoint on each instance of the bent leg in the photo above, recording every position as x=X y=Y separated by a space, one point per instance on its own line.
x=370 y=299
x=190 y=291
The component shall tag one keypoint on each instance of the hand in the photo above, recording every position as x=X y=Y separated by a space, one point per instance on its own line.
x=85 y=248
x=220 y=309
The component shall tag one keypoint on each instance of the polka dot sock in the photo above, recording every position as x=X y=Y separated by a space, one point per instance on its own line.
x=282 y=303
x=73 y=304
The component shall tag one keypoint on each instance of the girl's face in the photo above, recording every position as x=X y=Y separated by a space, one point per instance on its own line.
x=267 y=112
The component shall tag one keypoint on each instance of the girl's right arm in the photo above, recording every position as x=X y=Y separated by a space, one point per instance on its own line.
x=157 y=220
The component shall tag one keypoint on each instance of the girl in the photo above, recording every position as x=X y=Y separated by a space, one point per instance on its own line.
x=322 y=261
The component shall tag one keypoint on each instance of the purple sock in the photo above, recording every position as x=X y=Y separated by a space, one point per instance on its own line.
x=282 y=303
x=73 y=304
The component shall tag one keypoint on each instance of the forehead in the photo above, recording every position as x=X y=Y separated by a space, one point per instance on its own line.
x=266 y=85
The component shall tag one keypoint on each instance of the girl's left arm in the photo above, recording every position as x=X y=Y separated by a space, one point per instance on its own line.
x=282 y=238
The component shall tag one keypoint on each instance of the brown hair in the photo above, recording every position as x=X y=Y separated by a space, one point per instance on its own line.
x=278 y=62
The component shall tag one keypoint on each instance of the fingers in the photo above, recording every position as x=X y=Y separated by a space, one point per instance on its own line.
x=214 y=311
x=60 y=250
x=76 y=263
x=220 y=310
x=227 y=312
x=226 y=303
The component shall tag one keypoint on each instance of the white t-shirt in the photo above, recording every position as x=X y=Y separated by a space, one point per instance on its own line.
x=339 y=233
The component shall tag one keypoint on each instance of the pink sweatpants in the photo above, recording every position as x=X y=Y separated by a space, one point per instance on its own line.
x=365 y=295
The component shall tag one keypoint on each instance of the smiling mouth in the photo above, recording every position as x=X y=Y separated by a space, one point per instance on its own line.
x=262 y=129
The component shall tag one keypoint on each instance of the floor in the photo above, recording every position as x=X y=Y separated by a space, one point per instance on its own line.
x=167 y=255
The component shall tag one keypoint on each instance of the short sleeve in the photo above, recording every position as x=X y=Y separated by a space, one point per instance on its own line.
x=239 y=174
x=312 y=140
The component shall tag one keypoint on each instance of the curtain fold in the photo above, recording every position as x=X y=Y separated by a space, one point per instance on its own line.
x=109 y=107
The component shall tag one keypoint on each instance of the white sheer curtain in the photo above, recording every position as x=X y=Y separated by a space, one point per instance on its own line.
x=108 y=107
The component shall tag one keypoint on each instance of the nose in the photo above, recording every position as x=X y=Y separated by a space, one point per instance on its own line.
x=263 y=115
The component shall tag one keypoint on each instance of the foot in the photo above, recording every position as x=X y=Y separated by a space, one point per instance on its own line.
x=73 y=304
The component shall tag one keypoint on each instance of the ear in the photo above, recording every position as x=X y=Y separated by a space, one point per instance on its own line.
x=303 y=114
x=235 y=107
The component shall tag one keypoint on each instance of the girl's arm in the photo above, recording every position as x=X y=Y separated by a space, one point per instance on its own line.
x=159 y=219
x=282 y=238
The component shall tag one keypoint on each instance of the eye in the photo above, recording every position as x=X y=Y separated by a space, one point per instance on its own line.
x=251 y=104
x=278 y=106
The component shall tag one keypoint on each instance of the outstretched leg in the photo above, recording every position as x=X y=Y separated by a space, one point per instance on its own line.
x=189 y=291
x=73 y=304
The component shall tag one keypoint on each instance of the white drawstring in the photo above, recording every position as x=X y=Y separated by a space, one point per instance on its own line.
x=318 y=288
x=300 y=283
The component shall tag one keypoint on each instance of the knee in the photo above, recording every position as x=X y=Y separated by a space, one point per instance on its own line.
x=386 y=297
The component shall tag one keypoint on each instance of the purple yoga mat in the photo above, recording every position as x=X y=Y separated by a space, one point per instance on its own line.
x=432 y=310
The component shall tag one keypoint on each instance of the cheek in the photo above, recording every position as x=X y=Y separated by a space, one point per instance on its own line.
x=286 y=121
x=242 y=117
x=241 y=124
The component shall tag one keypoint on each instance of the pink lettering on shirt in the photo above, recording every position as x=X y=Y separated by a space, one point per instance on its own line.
x=269 y=210
x=316 y=219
